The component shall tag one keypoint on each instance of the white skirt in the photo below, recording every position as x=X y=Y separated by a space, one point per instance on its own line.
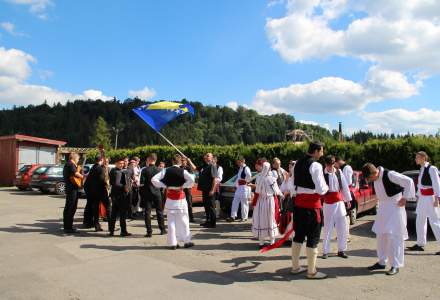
x=264 y=225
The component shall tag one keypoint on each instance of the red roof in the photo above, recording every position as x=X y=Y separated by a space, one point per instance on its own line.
x=27 y=138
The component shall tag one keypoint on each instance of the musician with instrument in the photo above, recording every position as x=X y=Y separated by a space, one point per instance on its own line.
x=73 y=182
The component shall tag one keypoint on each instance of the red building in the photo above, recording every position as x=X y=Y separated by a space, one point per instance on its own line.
x=18 y=150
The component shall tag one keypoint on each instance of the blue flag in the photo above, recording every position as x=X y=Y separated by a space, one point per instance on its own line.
x=158 y=114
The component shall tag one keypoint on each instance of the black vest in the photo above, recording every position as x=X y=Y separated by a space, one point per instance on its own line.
x=173 y=177
x=243 y=173
x=205 y=178
x=391 y=189
x=302 y=176
x=426 y=177
x=338 y=175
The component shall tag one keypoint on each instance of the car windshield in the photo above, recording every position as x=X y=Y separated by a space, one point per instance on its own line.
x=55 y=171
x=41 y=170
x=24 y=169
x=232 y=179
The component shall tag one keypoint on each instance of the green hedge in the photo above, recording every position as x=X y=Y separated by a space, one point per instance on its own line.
x=397 y=154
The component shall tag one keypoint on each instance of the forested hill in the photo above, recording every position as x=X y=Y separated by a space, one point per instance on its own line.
x=75 y=122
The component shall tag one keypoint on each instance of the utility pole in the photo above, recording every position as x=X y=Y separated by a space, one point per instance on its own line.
x=340 y=137
x=116 y=130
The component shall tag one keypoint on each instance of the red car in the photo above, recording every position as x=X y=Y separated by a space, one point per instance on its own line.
x=364 y=197
x=24 y=176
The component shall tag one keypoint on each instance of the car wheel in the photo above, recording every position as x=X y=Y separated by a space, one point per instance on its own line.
x=353 y=215
x=373 y=211
x=60 y=188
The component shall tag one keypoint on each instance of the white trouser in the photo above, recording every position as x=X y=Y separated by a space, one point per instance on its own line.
x=240 y=199
x=340 y=222
x=390 y=248
x=178 y=228
x=421 y=224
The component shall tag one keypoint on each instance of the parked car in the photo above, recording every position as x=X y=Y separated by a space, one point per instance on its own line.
x=24 y=175
x=227 y=191
x=49 y=178
x=364 y=197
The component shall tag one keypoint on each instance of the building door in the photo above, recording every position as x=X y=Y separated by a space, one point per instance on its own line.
x=46 y=155
x=27 y=155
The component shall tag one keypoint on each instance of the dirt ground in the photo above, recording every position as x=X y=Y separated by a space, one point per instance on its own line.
x=37 y=261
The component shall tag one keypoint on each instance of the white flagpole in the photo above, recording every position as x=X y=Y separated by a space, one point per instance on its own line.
x=169 y=142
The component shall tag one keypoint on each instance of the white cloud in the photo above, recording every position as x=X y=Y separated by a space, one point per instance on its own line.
x=335 y=94
x=396 y=35
x=15 y=63
x=145 y=94
x=15 y=69
x=8 y=27
x=232 y=104
x=401 y=121
x=37 y=7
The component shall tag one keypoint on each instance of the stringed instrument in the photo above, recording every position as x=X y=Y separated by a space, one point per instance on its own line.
x=79 y=169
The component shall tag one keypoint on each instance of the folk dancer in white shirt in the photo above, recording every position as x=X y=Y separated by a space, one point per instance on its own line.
x=428 y=201
x=174 y=179
x=392 y=190
x=334 y=208
x=243 y=193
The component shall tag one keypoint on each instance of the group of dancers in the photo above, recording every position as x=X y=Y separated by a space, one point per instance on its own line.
x=317 y=197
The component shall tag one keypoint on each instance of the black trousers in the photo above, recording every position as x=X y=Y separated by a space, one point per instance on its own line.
x=307 y=226
x=88 y=212
x=189 y=201
x=209 y=205
x=119 y=208
x=70 y=208
x=151 y=201
x=96 y=200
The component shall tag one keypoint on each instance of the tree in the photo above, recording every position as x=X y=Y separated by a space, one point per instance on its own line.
x=101 y=135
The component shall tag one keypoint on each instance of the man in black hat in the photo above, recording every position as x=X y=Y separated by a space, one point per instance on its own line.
x=120 y=201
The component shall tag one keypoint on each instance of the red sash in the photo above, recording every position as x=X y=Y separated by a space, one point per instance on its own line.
x=175 y=194
x=332 y=197
x=310 y=201
x=427 y=192
x=255 y=199
x=242 y=182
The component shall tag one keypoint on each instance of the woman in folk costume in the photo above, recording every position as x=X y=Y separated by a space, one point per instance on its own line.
x=264 y=224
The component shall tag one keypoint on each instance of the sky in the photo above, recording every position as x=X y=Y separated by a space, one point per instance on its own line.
x=370 y=64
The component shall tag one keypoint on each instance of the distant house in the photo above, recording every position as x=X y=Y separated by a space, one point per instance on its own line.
x=19 y=150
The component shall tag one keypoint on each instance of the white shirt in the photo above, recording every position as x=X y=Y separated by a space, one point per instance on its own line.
x=318 y=179
x=433 y=173
x=219 y=177
x=174 y=206
x=333 y=185
x=390 y=217
x=247 y=172
x=348 y=174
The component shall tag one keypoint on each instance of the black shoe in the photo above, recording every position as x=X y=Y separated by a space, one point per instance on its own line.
x=163 y=232
x=148 y=235
x=342 y=254
x=111 y=233
x=229 y=219
x=125 y=234
x=437 y=253
x=376 y=266
x=70 y=231
x=393 y=271
x=98 y=228
x=192 y=220
x=203 y=224
x=210 y=226
x=173 y=247
x=416 y=247
x=261 y=247
x=188 y=245
x=324 y=256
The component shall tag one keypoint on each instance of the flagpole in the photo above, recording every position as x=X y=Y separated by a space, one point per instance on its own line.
x=169 y=142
